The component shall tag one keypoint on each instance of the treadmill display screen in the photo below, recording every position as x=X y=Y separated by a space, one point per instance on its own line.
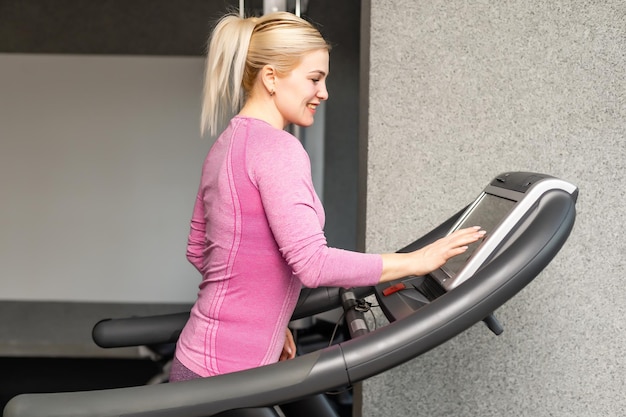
x=487 y=213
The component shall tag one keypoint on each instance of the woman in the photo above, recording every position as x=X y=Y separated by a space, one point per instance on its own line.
x=257 y=227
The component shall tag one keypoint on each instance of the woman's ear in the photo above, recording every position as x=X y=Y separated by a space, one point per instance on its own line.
x=268 y=77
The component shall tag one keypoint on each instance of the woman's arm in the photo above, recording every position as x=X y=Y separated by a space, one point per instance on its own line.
x=428 y=258
x=197 y=234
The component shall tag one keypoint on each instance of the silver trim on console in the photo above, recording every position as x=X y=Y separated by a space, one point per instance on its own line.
x=525 y=201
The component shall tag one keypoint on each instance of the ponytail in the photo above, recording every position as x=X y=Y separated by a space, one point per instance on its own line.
x=224 y=71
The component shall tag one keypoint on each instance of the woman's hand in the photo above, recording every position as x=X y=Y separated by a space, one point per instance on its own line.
x=289 y=349
x=430 y=257
x=437 y=253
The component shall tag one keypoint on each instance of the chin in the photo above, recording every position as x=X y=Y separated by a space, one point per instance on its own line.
x=305 y=123
x=302 y=121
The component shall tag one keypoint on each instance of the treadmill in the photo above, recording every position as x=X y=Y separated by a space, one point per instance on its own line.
x=528 y=217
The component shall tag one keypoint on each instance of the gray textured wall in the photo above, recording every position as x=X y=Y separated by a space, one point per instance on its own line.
x=459 y=92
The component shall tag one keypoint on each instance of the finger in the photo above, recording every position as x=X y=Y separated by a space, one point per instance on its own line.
x=290 y=345
x=468 y=231
x=456 y=251
x=466 y=236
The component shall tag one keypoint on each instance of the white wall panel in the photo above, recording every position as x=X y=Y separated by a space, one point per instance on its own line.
x=100 y=159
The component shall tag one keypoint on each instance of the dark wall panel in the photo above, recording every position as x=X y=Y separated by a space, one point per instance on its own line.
x=137 y=27
x=339 y=22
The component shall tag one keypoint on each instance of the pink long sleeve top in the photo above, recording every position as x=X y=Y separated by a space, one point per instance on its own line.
x=257 y=237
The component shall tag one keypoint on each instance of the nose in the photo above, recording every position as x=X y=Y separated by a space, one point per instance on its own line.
x=322 y=92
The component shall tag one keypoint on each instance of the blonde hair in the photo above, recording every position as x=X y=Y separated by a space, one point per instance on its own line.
x=239 y=48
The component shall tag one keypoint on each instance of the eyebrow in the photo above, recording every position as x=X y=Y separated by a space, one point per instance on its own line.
x=320 y=72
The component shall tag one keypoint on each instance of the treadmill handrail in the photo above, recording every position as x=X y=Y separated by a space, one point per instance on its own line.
x=166 y=328
x=266 y=385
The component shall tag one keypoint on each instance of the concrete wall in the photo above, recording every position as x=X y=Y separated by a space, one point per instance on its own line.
x=459 y=92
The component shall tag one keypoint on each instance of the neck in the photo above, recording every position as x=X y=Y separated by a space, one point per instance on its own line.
x=263 y=109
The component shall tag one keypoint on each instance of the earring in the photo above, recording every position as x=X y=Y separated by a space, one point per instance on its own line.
x=272 y=92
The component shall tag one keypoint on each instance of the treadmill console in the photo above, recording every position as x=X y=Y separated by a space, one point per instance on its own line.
x=500 y=209
x=505 y=208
